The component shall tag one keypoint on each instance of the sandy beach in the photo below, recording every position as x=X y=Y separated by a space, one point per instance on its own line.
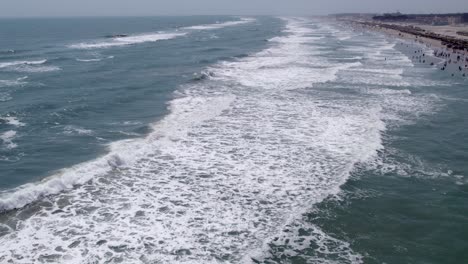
x=450 y=58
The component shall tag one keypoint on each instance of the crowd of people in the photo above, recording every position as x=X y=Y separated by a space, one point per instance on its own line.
x=456 y=60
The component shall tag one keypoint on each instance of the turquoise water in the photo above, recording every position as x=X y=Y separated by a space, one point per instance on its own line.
x=226 y=140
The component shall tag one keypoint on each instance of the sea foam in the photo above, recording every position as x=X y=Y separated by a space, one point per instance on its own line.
x=221 y=25
x=124 y=41
x=37 y=66
x=7 y=138
x=153 y=37
x=16 y=63
x=241 y=156
x=14 y=121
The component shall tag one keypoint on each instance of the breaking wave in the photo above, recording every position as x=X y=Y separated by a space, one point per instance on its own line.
x=243 y=153
x=124 y=41
x=221 y=25
x=17 y=63
x=28 y=66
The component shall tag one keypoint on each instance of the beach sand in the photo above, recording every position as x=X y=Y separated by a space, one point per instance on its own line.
x=422 y=50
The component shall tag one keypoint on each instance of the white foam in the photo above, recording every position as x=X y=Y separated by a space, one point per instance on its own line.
x=209 y=165
x=4 y=96
x=121 y=154
x=28 y=66
x=72 y=130
x=7 y=138
x=18 y=82
x=240 y=157
x=7 y=51
x=127 y=123
x=384 y=91
x=290 y=64
x=343 y=38
x=397 y=72
x=16 y=63
x=88 y=60
x=124 y=41
x=298 y=238
x=63 y=180
x=11 y=120
x=221 y=25
x=129 y=133
x=35 y=69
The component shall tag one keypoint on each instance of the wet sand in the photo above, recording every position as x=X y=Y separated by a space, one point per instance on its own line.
x=424 y=50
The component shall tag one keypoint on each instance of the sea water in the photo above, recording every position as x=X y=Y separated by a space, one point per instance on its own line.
x=226 y=140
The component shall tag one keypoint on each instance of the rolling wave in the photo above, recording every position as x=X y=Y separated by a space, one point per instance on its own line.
x=125 y=41
x=244 y=152
x=88 y=60
x=221 y=25
x=19 y=63
x=153 y=37
x=28 y=66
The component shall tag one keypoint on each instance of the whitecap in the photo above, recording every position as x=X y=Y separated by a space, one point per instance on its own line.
x=28 y=66
x=18 y=82
x=76 y=130
x=16 y=63
x=4 y=96
x=130 y=134
x=88 y=60
x=7 y=138
x=124 y=41
x=35 y=69
x=13 y=121
x=221 y=25
x=239 y=158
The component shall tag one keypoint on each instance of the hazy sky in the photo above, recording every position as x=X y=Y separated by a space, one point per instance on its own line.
x=27 y=8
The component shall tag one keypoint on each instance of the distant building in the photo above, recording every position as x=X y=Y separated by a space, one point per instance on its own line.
x=430 y=19
x=391 y=17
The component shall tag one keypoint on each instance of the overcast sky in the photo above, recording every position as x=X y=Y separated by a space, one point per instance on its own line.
x=35 y=8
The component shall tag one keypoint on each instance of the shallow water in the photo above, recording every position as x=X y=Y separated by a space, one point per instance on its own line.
x=226 y=140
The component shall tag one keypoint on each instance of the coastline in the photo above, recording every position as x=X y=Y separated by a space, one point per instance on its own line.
x=452 y=52
x=324 y=143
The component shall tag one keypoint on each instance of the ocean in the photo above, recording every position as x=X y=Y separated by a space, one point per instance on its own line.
x=222 y=139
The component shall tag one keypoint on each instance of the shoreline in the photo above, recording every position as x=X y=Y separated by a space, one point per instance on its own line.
x=454 y=57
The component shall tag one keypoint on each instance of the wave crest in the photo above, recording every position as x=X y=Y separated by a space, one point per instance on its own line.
x=124 y=41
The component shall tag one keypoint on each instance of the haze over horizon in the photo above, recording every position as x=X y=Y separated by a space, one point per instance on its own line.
x=58 y=8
